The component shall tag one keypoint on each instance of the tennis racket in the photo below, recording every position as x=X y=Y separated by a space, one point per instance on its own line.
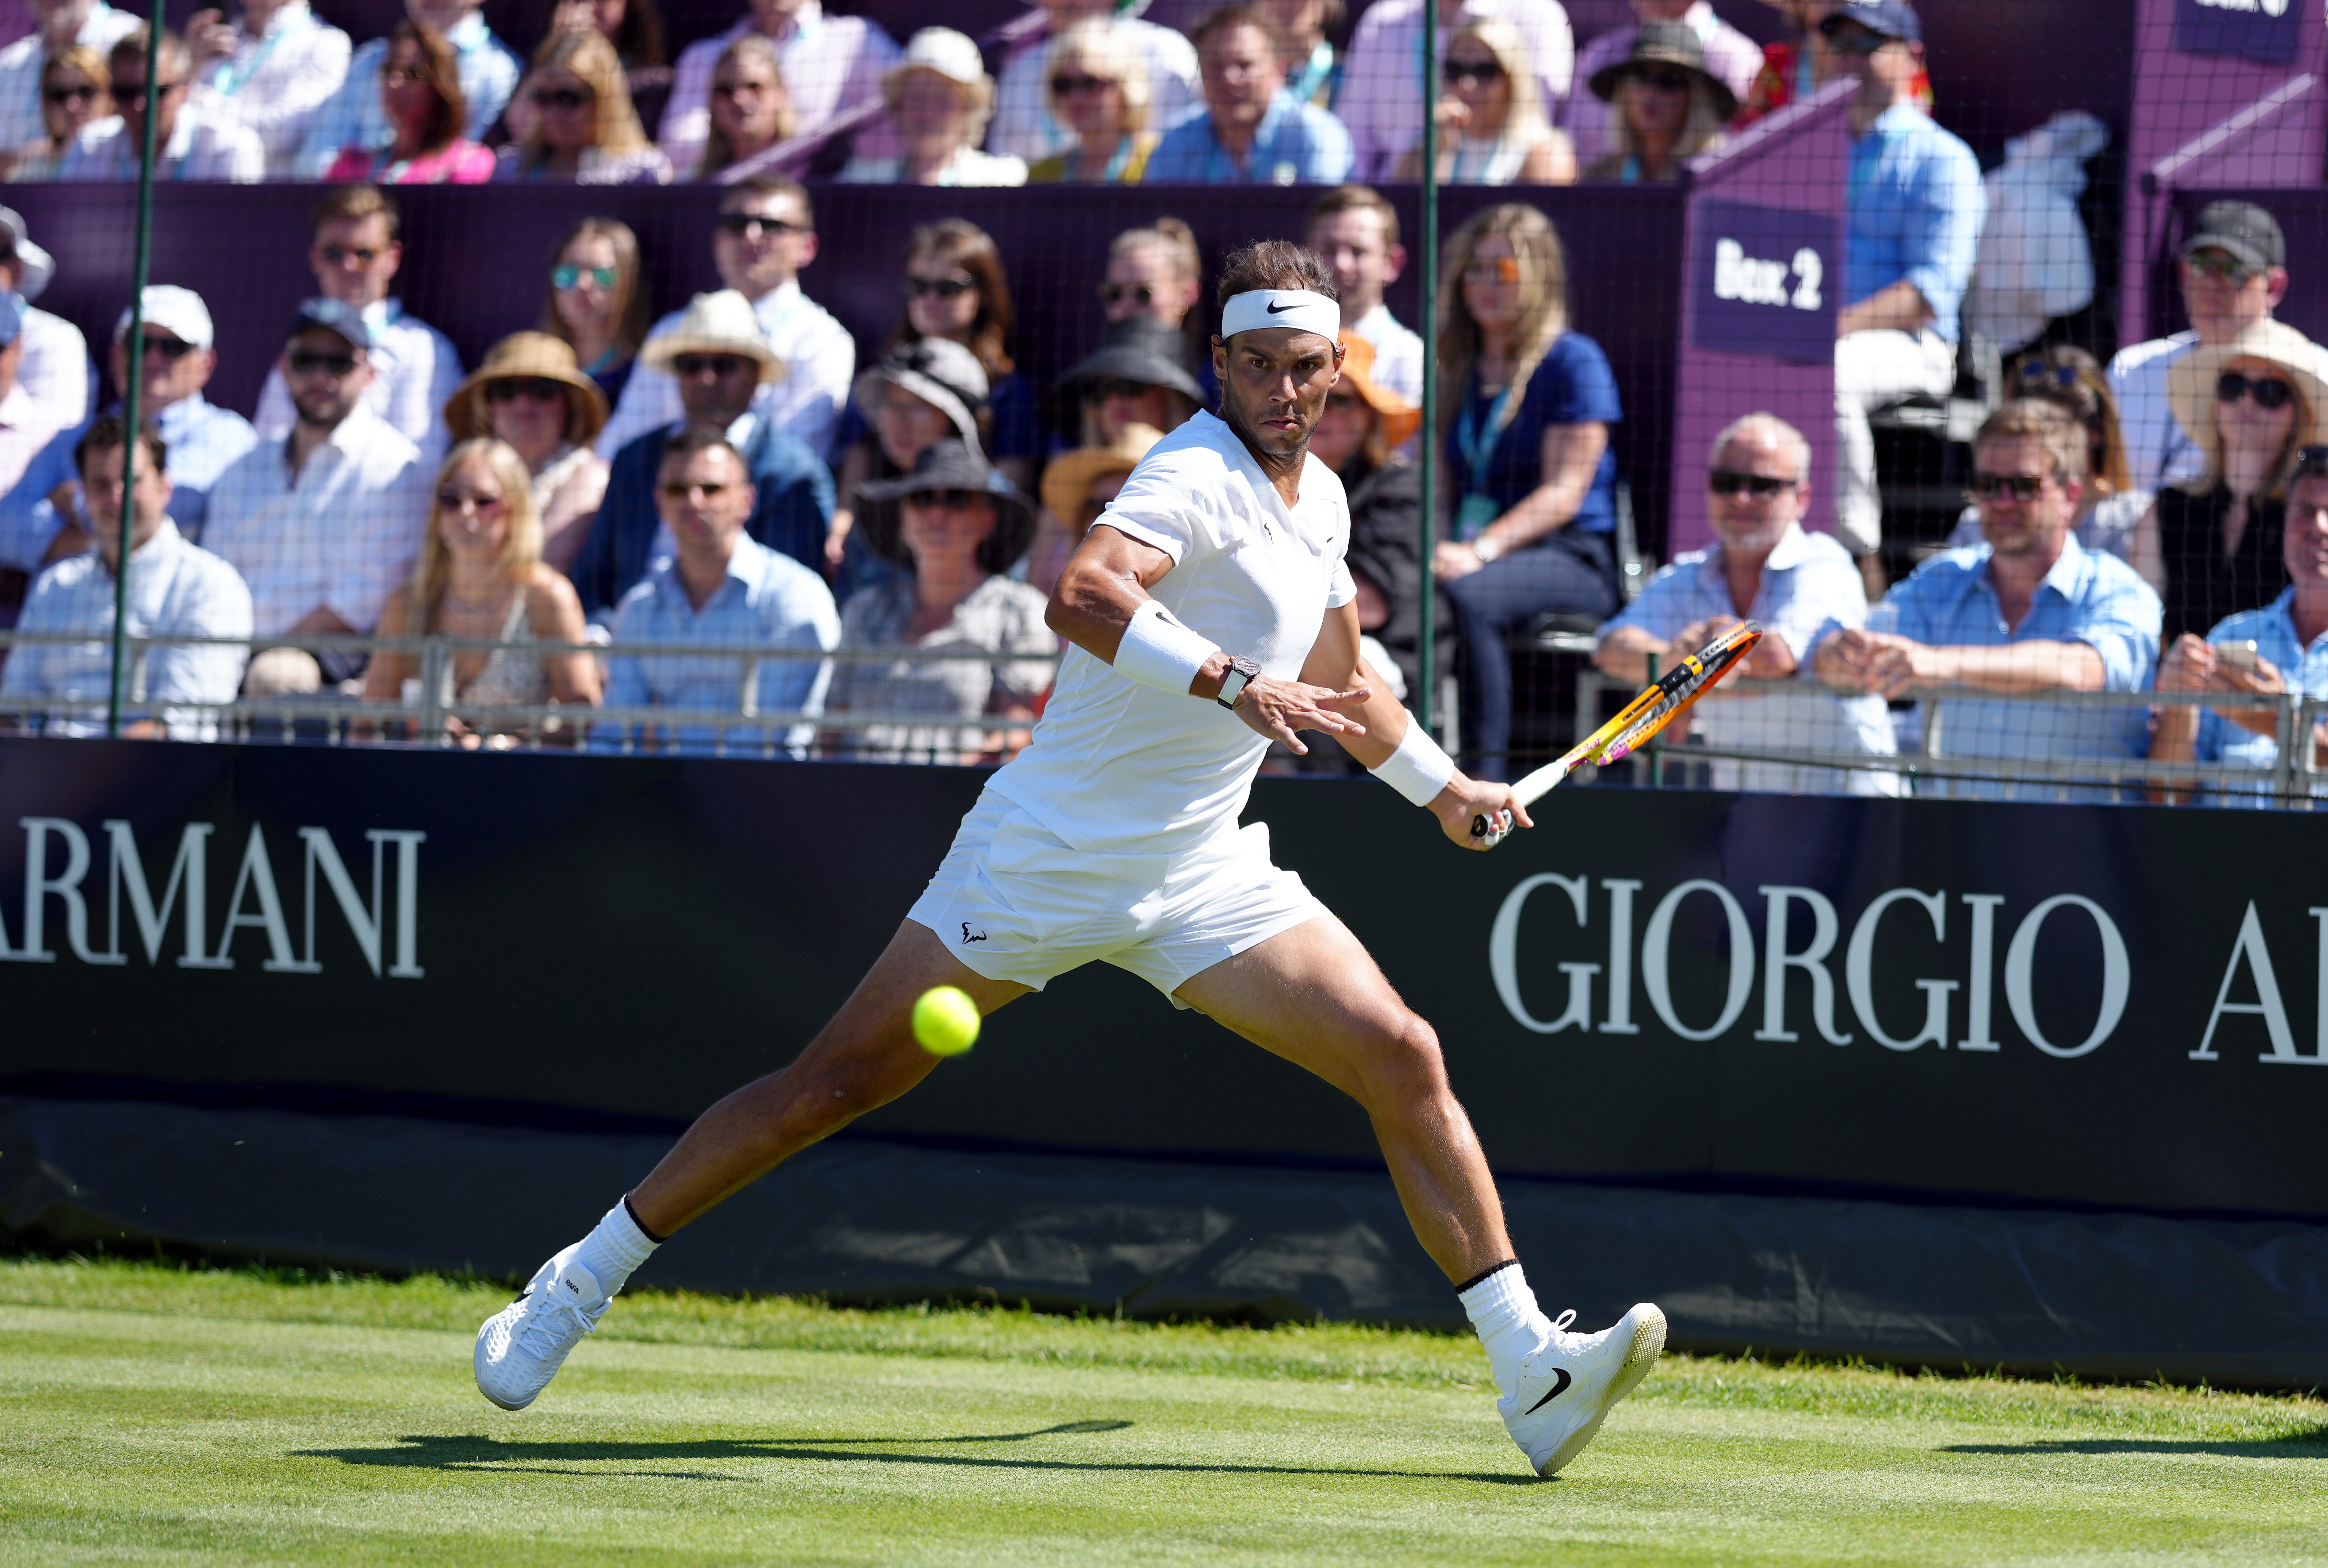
x=1642 y=718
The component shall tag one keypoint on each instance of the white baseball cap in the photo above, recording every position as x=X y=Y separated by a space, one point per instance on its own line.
x=38 y=265
x=179 y=312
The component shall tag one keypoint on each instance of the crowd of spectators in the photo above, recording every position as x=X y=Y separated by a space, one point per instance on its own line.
x=732 y=477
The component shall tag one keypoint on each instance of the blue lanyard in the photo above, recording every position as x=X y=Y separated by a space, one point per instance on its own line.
x=1313 y=83
x=1478 y=447
x=234 y=78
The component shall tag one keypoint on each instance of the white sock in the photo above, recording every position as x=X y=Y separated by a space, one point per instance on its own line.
x=617 y=1248
x=1509 y=1323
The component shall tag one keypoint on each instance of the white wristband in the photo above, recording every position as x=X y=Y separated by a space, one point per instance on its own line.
x=1159 y=651
x=1418 y=770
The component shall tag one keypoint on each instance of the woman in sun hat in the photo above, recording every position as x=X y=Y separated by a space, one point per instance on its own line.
x=939 y=98
x=956 y=526
x=531 y=393
x=919 y=394
x=2210 y=545
x=1664 y=107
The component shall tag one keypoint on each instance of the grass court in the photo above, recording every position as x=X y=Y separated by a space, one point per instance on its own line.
x=156 y=1414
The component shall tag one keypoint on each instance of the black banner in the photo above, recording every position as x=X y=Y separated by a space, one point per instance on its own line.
x=2109 y=1006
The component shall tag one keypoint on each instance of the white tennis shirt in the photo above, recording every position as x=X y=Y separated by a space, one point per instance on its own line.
x=1118 y=768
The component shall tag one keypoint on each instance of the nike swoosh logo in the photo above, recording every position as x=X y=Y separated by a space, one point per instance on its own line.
x=1558 y=1389
x=1275 y=310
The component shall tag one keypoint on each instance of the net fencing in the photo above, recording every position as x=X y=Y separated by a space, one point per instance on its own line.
x=1881 y=227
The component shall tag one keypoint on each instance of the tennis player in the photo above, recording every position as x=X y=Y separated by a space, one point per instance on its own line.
x=1210 y=612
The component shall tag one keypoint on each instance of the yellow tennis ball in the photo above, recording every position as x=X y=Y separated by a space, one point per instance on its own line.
x=945 y=1021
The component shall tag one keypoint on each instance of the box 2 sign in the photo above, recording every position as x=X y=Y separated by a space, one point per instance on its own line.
x=2259 y=29
x=1764 y=281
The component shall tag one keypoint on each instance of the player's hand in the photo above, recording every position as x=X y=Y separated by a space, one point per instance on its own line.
x=1466 y=799
x=1278 y=708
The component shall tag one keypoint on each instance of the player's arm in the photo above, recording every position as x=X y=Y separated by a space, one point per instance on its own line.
x=1103 y=606
x=1393 y=747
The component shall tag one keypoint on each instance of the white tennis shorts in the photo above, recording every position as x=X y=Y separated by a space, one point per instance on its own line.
x=1015 y=903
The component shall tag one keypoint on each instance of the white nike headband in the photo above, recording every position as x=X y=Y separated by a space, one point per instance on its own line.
x=1281 y=307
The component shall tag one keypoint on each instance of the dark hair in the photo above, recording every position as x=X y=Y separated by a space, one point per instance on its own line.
x=696 y=435
x=631 y=285
x=136 y=45
x=2087 y=398
x=352 y=204
x=970 y=247
x=112 y=431
x=1344 y=198
x=1236 y=14
x=639 y=40
x=772 y=185
x=437 y=63
x=1273 y=264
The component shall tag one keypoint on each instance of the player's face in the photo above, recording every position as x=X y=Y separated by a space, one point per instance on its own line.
x=1274 y=382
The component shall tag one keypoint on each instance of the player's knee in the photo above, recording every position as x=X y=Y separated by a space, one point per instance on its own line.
x=1404 y=1064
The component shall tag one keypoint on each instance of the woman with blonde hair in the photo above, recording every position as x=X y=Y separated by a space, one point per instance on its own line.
x=532 y=395
x=480 y=577
x=1525 y=421
x=1097 y=85
x=76 y=91
x=750 y=109
x=1493 y=129
x=2210 y=545
x=580 y=128
x=1664 y=107
x=939 y=98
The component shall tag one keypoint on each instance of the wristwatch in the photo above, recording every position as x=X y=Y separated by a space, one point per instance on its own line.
x=1241 y=673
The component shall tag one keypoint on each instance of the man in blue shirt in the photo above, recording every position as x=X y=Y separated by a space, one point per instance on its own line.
x=1251 y=130
x=720 y=590
x=2278 y=649
x=204 y=439
x=2027 y=612
x=718 y=356
x=1913 y=215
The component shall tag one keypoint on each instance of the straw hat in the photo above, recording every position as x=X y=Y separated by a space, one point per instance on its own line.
x=1400 y=418
x=1672 y=44
x=531 y=356
x=1069 y=478
x=719 y=323
x=948 y=465
x=2191 y=379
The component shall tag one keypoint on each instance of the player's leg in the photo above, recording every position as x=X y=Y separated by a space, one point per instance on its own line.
x=863 y=1058
x=1313 y=996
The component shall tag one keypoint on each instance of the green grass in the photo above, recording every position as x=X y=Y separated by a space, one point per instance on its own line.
x=158 y=1414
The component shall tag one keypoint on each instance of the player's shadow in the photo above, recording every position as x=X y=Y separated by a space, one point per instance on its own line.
x=2312 y=1444
x=494 y=1455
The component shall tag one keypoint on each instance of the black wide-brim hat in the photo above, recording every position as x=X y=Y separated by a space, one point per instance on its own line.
x=1140 y=349
x=1666 y=43
x=947 y=465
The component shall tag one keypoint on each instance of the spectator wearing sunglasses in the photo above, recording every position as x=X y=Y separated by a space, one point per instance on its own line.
x=532 y=397
x=1492 y=128
x=2279 y=649
x=59 y=27
x=271 y=70
x=751 y=112
x=26 y=429
x=2233 y=273
x=191 y=141
x=765 y=233
x=1664 y=107
x=831 y=63
x=1382 y=102
x=76 y=91
x=956 y=288
x=1097 y=87
x=2211 y=544
x=2026 y=611
x=718 y=586
x=581 y=127
x=2110 y=507
x=354 y=116
x=1768 y=569
x=1912 y=224
x=923 y=392
x=326 y=520
x=597 y=303
x=939 y=98
x=1137 y=375
x=1251 y=130
x=1793 y=68
x=954 y=526
x=421 y=92
x=355 y=252
x=1030 y=123
x=46 y=515
x=1722 y=54
x=717 y=359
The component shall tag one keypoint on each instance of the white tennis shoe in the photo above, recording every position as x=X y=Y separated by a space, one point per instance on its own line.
x=521 y=1347
x=1569 y=1384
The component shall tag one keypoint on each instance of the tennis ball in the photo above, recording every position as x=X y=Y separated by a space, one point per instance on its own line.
x=945 y=1021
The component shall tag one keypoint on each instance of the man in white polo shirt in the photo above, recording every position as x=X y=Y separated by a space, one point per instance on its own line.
x=1211 y=613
